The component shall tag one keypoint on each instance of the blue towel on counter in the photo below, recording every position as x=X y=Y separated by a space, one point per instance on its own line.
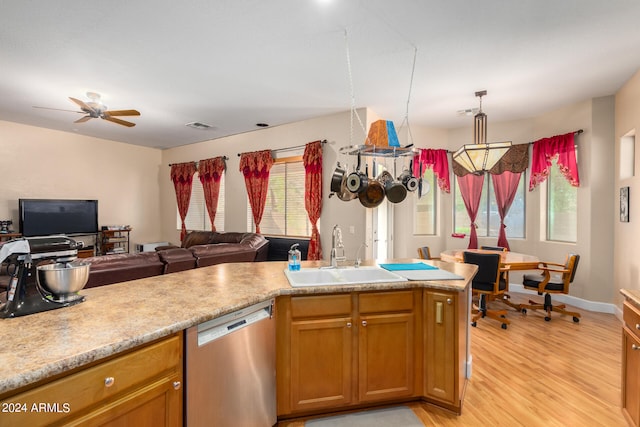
x=408 y=266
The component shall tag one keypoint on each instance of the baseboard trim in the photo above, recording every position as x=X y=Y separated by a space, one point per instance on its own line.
x=600 y=307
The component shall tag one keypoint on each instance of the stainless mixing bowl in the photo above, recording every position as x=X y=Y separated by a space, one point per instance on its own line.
x=63 y=278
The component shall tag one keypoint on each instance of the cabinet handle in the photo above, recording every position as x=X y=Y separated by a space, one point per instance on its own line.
x=109 y=381
x=439 y=307
x=635 y=347
x=638 y=326
x=348 y=324
x=364 y=323
x=176 y=385
x=449 y=301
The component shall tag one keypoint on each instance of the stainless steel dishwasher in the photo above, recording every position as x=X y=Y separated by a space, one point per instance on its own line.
x=231 y=370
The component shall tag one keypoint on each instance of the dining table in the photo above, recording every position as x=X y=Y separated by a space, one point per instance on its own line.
x=511 y=260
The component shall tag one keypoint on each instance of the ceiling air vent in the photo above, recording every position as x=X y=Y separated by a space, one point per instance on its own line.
x=198 y=125
x=468 y=112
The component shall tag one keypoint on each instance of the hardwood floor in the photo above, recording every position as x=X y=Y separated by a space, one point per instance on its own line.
x=538 y=373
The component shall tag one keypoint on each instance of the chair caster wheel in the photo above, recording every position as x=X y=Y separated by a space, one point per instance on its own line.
x=504 y=326
x=576 y=319
x=547 y=318
x=524 y=311
x=474 y=324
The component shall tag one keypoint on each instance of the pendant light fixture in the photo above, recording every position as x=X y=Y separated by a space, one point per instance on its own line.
x=480 y=156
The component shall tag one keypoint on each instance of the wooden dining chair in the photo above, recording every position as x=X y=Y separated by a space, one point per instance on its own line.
x=487 y=285
x=425 y=253
x=545 y=283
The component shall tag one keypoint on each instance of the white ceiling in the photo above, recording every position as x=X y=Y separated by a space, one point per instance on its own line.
x=234 y=63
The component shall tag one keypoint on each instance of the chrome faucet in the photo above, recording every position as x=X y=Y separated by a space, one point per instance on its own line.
x=358 y=259
x=336 y=243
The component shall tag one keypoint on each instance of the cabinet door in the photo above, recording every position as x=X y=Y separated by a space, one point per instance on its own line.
x=321 y=360
x=440 y=346
x=631 y=376
x=386 y=346
x=157 y=404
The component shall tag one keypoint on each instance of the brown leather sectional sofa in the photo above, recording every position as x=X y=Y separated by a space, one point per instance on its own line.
x=198 y=249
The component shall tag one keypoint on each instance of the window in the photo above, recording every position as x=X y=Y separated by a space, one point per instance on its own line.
x=284 y=211
x=197 y=216
x=562 y=212
x=424 y=211
x=488 y=219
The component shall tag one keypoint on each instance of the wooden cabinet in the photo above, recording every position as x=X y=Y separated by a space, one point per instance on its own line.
x=336 y=351
x=141 y=387
x=386 y=345
x=445 y=335
x=314 y=353
x=631 y=363
x=114 y=241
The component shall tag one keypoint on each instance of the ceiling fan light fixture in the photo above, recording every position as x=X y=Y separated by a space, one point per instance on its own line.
x=480 y=156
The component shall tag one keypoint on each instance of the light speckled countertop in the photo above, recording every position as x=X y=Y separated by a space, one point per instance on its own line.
x=632 y=295
x=121 y=316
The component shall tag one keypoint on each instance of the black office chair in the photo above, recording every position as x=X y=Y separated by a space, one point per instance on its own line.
x=425 y=253
x=545 y=284
x=488 y=284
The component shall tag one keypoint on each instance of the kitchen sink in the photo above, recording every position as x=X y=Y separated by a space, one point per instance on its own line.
x=340 y=276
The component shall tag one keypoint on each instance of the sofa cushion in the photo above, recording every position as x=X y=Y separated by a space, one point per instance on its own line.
x=196 y=238
x=228 y=237
x=116 y=268
x=177 y=259
x=219 y=253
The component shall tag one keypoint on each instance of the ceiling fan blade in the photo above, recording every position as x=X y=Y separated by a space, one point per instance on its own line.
x=59 y=109
x=84 y=106
x=119 y=121
x=83 y=119
x=121 y=113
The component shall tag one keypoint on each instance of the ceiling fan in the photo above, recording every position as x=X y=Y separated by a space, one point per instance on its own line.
x=96 y=109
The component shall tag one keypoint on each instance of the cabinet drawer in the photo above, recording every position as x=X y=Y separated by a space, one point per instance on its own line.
x=377 y=302
x=74 y=394
x=631 y=315
x=321 y=306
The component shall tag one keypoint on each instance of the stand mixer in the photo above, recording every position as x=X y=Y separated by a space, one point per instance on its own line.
x=44 y=274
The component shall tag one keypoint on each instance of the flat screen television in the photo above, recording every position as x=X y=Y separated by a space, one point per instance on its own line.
x=45 y=217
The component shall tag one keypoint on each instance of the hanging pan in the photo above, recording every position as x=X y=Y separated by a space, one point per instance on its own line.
x=408 y=180
x=357 y=181
x=337 y=177
x=372 y=195
x=395 y=191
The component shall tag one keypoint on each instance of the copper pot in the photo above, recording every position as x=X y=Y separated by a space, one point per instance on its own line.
x=373 y=193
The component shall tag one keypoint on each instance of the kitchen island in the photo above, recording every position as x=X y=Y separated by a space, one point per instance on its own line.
x=120 y=318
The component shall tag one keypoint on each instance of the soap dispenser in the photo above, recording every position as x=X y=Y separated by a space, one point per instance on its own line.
x=294 y=258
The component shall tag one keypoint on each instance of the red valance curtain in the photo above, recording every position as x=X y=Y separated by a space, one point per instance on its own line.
x=544 y=151
x=182 y=177
x=210 y=171
x=471 y=190
x=436 y=159
x=312 y=160
x=505 y=187
x=255 y=167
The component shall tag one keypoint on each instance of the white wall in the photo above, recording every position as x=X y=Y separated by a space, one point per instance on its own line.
x=626 y=257
x=43 y=163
